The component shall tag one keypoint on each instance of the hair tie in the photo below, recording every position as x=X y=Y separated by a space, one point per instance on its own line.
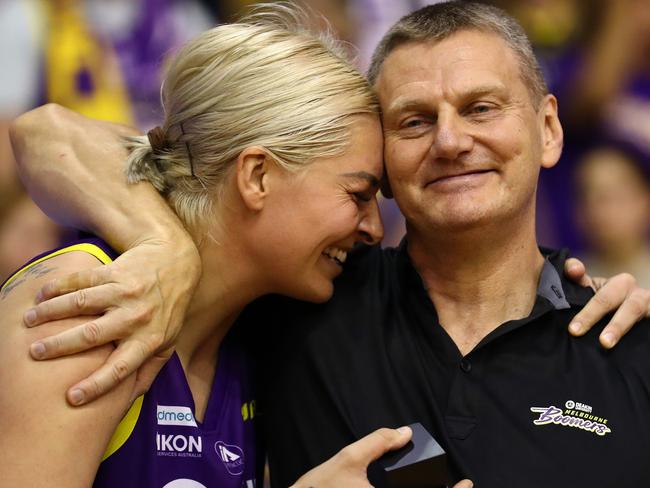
x=157 y=140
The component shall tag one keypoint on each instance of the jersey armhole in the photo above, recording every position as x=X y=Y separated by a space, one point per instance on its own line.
x=86 y=247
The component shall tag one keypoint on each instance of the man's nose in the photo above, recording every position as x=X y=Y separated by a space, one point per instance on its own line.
x=452 y=137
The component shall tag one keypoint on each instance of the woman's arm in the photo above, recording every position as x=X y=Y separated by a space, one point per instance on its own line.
x=46 y=442
x=146 y=290
x=73 y=168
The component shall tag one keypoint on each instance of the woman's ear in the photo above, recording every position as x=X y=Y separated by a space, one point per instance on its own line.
x=253 y=165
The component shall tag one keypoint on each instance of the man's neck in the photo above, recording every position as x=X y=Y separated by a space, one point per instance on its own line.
x=478 y=279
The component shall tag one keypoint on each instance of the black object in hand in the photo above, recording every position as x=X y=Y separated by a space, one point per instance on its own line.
x=422 y=463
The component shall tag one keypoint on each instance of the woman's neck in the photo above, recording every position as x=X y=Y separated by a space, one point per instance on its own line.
x=229 y=282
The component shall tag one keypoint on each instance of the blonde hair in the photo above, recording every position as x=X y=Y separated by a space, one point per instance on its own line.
x=264 y=81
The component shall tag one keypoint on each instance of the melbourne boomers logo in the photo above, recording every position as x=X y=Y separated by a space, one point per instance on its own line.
x=231 y=456
x=575 y=414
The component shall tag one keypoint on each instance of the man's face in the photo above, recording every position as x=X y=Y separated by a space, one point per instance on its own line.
x=463 y=139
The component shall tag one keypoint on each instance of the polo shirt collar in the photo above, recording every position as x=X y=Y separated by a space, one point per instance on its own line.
x=553 y=286
x=554 y=291
x=550 y=287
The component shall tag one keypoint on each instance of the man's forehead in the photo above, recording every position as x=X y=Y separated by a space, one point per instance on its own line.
x=468 y=60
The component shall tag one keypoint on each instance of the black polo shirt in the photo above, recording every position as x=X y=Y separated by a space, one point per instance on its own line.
x=530 y=406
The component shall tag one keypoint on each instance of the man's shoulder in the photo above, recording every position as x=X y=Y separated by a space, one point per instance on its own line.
x=361 y=294
x=633 y=347
x=363 y=260
x=366 y=270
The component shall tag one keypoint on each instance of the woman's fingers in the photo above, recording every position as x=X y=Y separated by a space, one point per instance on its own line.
x=575 y=269
x=635 y=307
x=607 y=299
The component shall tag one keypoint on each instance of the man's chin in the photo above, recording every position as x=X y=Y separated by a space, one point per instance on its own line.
x=462 y=218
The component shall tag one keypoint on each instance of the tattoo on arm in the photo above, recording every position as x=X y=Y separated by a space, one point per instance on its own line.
x=35 y=271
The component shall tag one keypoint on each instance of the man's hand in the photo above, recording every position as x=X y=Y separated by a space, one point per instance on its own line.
x=619 y=293
x=143 y=302
x=349 y=466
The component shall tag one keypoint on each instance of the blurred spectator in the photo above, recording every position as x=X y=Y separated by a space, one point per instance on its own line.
x=24 y=232
x=103 y=58
x=373 y=18
x=611 y=89
x=613 y=196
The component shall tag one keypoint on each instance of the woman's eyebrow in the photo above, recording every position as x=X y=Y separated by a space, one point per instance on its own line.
x=363 y=175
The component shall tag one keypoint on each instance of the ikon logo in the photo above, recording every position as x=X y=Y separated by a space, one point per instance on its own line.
x=178 y=443
x=231 y=456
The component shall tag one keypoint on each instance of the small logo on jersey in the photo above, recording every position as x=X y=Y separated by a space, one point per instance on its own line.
x=184 y=483
x=231 y=456
x=575 y=414
x=173 y=415
x=248 y=410
x=179 y=445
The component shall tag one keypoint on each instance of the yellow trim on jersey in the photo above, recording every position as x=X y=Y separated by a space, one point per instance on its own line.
x=124 y=429
x=86 y=247
x=127 y=424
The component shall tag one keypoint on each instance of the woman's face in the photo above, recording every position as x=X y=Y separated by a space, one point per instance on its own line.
x=316 y=215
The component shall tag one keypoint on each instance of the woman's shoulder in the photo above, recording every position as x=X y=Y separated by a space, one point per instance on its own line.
x=22 y=286
x=37 y=422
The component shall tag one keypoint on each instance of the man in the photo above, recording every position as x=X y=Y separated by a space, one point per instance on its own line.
x=462 y=328
x=456 y=329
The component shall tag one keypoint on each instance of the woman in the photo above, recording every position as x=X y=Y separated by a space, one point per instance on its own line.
x=270 y=154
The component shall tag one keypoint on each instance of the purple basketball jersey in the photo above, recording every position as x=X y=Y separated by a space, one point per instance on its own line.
x=159 y=443
x=167 y=447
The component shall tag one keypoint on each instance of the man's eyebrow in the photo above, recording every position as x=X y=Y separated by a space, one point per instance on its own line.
x=406 y=104
x=479 y=91
x=363 y=175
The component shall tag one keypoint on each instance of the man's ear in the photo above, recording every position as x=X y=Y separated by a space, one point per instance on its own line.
x=552 y=133
x=253 y=165
x=384 y=185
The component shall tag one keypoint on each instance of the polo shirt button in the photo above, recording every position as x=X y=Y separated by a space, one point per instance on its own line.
x=465 y=365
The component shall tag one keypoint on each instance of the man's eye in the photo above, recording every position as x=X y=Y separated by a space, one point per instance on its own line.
x=481 y=108
x=411 y=123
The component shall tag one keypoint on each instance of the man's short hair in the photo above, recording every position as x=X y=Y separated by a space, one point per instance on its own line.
x=439 y=21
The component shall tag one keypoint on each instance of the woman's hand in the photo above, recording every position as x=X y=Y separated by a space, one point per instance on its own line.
x=619 y=294
x=143 y=296
x=349 y=466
